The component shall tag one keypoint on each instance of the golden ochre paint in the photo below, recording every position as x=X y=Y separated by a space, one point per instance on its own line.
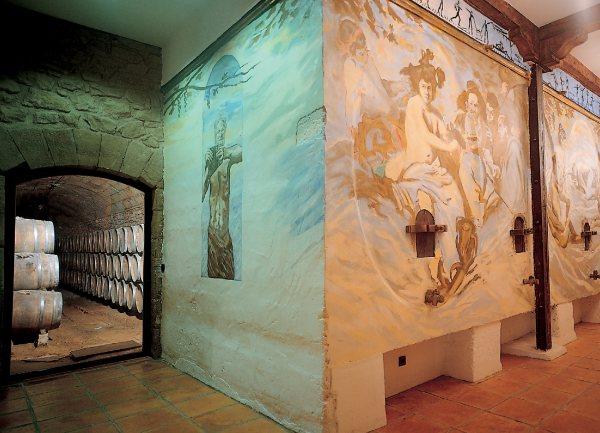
x=418 y=121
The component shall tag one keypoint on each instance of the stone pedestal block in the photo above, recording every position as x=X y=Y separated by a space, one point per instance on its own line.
x=474 y=353
x=359 y=392
x=590 y=309
x=563 y=331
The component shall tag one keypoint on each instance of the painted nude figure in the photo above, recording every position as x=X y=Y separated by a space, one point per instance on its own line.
x=217 y=172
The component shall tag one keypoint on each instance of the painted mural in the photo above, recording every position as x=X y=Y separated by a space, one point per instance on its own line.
x=216 y=92
x=222 y=141
x=419 y=124
x=244 y=208
x=573 y=209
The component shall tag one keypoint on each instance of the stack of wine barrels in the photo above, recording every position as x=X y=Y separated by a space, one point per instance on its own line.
x=36 y=270
x=106 y=264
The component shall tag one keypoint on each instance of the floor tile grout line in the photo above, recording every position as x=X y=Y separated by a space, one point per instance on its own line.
x=30 y=408
x=191 y=418
x=555 y=410
x=99 y=405
x=166 y=401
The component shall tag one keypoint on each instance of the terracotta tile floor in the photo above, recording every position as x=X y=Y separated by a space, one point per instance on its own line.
x=526 y=396
x=129 y=397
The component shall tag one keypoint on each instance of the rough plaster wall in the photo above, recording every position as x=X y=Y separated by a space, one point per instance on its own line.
x=75 y=97
x=259 y=340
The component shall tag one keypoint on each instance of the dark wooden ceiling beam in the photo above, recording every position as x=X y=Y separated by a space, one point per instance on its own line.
x=580 y=72
x=558 y=38
x=587 y=19
x=550 y=45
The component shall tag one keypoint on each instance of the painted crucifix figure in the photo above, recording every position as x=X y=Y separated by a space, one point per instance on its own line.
x=217 y=177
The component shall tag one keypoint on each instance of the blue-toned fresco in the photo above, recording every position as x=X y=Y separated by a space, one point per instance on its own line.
x=244 y=208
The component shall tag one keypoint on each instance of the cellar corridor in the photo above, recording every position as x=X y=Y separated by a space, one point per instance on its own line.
x=79 y=272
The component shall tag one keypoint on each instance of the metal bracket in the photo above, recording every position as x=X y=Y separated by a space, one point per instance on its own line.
x=423 y=228
x=521 y=232
x=595 y=275
x=531 y=281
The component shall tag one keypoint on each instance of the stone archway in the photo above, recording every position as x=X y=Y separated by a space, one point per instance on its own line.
x=73 y=98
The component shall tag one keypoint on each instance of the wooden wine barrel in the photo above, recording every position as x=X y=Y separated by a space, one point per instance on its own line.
x=99 y=289
x=121 y=293
x=139 y=298
x=118 y=267
x=86 y=283
x=114 y=291
x=110 y=266
x=135 y=269
x=130 y=295
x=102 y=264
x=116 y=240
x=105 y=288
x=129 y=241
x=99 y=240
x=123 y=238
x=34 y=236
x=35 y=271
x=142 y=269
x=125 y=271
x=139 y=238
x=34 y=310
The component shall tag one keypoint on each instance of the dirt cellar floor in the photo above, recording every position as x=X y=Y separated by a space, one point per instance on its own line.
x=85 y=323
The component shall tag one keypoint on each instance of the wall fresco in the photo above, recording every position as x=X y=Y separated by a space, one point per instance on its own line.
x=244 y=209
x=572 y=181
x=419 y=121
x=222 y=187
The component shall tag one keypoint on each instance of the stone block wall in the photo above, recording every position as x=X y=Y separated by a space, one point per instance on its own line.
x=71 y=96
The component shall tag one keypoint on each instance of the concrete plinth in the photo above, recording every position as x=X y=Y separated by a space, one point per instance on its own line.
x=563 y=324
x=359 y=390
x=590 y=309
x=526 y=346
x=474 y=353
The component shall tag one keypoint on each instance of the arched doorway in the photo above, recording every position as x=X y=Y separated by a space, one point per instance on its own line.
x=82 y=203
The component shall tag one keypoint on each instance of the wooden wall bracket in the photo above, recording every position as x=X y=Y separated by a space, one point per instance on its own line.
x=531 y=281
x=426 y=228
x=586 y=235
x=521 y=232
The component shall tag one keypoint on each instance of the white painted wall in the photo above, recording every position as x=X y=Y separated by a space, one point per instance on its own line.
x=577 y=311
x=424 y=362
x=469 y=355
x=516 y=327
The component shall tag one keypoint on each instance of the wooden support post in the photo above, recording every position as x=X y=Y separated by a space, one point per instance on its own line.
x=538 y=199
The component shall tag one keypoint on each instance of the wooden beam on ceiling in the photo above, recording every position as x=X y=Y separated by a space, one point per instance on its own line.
x=558 y=38
x=587 y=19
x=580 y=72
x=550 y=45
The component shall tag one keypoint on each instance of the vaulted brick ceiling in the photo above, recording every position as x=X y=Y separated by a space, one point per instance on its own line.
x=79 y=204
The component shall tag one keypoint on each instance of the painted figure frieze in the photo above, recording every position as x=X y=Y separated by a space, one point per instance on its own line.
x=423 y=122
x=572 y=183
